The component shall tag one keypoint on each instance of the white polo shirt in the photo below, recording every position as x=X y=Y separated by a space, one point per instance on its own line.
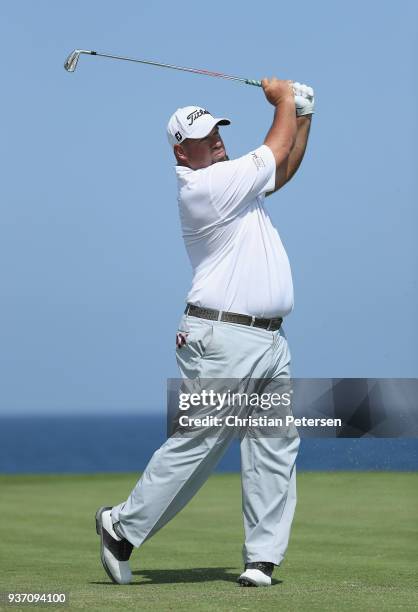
x=239 y=262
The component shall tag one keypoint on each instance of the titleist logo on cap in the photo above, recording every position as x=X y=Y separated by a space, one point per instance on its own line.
x=196 y=114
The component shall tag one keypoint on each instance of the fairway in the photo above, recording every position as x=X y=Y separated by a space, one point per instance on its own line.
x=353 y=545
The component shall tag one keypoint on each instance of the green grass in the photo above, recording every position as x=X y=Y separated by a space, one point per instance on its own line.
x=353 y=545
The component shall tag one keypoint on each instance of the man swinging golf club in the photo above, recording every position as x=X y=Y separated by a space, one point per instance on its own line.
x=231 y=329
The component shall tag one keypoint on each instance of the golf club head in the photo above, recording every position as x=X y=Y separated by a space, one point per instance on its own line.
x=71 y=61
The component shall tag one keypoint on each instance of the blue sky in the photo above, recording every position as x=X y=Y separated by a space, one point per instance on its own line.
x=92 y=265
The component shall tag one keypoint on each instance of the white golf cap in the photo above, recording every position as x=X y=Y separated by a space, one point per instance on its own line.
x=192 y=122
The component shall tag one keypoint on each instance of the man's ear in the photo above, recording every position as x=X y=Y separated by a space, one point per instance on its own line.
x=180 y=154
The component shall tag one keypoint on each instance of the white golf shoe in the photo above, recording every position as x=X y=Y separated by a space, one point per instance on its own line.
x=114 y=550
x=256 y=574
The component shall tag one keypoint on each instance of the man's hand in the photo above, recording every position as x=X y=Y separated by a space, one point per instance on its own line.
x=304 y=99
x=276 y=91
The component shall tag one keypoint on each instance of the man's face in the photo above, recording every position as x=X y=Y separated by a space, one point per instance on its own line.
x=197 y=153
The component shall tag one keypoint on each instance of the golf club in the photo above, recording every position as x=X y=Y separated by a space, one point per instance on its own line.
x=72 y=60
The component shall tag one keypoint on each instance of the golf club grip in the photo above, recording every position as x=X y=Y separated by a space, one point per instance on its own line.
x=253 y=82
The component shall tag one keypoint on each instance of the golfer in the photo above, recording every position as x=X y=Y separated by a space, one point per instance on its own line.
x=231 y=329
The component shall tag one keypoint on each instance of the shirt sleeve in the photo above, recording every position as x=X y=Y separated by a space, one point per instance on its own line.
x=236 y=183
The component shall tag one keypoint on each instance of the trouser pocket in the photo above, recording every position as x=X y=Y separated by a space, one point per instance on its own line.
x=193 y=339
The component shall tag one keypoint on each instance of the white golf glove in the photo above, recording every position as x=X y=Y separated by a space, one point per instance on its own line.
x=304 y=99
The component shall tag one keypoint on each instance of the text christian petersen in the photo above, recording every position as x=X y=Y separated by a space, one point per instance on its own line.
x=265 y=401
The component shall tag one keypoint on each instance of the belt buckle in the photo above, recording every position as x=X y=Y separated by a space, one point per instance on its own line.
x=269 y=325
x=252 y=321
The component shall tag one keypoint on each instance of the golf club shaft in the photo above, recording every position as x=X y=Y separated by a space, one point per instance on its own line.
x=151 y=63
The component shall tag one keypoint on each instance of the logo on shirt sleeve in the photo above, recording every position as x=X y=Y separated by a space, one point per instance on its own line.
x=259 y=161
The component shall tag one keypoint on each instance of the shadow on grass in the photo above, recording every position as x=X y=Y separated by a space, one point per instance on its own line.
x=189 y=575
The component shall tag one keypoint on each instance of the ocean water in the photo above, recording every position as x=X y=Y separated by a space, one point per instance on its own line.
x=125 y=443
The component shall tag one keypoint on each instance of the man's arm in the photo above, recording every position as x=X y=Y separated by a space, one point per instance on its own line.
x=289 y=166
x=281 y=136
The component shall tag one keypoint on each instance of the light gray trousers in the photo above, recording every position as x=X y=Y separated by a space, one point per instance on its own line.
x=177 y=470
